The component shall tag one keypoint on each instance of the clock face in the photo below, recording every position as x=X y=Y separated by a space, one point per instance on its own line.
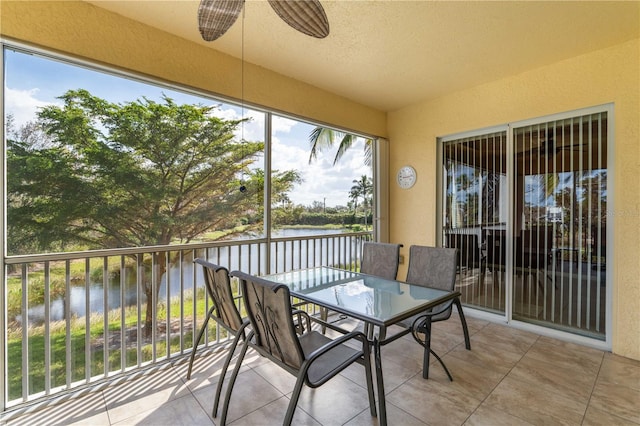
x=406 y=177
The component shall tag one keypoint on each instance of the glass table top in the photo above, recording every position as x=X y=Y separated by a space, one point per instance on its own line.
x=373 y=299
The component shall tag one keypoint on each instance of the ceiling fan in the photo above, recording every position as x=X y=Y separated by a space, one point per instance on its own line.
x=548 y=146
x=215 y=17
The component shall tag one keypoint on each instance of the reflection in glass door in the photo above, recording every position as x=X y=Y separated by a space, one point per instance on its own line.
x=532 y=231
x=559 y=224
x=475 y=207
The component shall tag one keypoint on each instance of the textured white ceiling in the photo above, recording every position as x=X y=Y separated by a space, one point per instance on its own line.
x=389 y=54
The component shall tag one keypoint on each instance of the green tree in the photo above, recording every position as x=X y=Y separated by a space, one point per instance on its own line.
x=317 y=207
x=127 y=175
x=322 y=138
x=362 y=188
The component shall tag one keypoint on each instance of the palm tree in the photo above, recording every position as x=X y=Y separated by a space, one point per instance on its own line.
x=354 y=194
x=362 y=187
x=322 y=138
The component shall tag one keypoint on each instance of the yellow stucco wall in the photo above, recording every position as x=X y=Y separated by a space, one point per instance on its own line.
x=606 y=76
x=85 y=31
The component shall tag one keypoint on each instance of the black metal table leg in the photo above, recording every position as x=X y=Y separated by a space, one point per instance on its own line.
x=382 y=417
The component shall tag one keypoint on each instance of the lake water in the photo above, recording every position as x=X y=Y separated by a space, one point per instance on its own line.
x=291 y=257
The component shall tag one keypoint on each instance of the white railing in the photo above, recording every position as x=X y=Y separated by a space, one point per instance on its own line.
x=84 y=317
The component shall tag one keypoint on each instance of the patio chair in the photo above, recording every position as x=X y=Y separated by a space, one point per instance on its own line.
x=470 y=255
x=598 y=247
x=433 y=267
x=312 y=357
x=380 y=259
x=224 y=312
x=496 y=243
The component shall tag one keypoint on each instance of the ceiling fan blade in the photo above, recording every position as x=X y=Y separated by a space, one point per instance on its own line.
x=215 y=17
x=306 y=16
x=572 y=146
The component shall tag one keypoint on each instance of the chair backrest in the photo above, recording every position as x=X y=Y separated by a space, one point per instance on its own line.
x=434 y=267
x=496 y=248
x=599 y=239
x=380 y=259
x=469 y=254
x=218 y=285
x=268 y=307
x=533 y=248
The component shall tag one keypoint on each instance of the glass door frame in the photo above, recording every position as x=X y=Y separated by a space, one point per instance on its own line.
x=507 y=315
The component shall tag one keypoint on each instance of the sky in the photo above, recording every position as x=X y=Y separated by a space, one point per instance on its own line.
x=32 y=82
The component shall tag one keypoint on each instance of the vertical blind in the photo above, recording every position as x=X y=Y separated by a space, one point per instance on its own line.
x=476 y=204
x=556 y=237
x=560 y=234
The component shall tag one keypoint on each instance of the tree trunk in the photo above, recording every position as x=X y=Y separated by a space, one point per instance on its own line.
x=152 y=289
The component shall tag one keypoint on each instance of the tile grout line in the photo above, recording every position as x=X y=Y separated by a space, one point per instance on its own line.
x=451 y=350
x=482 y=401
x=593 y=387
x=106 y=409
x=501 y=380
x=193 y=395
x=282 y=395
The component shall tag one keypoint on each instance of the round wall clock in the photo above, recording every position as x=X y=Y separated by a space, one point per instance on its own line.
x=406 y=177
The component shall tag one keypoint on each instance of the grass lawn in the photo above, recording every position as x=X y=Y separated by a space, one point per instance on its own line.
x=95 y=350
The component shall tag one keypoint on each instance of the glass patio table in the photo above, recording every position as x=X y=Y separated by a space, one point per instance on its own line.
x=376 y=301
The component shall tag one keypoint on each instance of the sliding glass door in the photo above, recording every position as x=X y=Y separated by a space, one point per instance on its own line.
x=476 y=205
x=560 y=223
x=526 y=207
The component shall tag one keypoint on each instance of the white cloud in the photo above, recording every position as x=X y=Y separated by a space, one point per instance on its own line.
x=225 y=114
x=323 y=181
x=283 y=124
x=251 y=130
x=23 y=105
x=355 y=288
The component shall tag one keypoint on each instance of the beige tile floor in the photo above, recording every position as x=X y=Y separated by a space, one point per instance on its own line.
x=510 y=377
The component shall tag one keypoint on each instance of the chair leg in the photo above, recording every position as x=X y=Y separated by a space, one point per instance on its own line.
x=427 y=347
x=482 y=274
x=324 y=314
x=293 y=403
x=197 y=342
x=232 y=380
x=425 y=328
x=467 y=342
x=446 y=370
x=369 y=377
x=223 y=373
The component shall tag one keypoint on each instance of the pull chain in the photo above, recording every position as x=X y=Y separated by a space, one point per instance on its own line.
x=243 y=187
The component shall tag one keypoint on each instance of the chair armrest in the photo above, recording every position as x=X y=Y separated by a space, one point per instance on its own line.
x=300 y=314
x=358 y=335
x=333 y=365
x=424 y=316
x=328 y=325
